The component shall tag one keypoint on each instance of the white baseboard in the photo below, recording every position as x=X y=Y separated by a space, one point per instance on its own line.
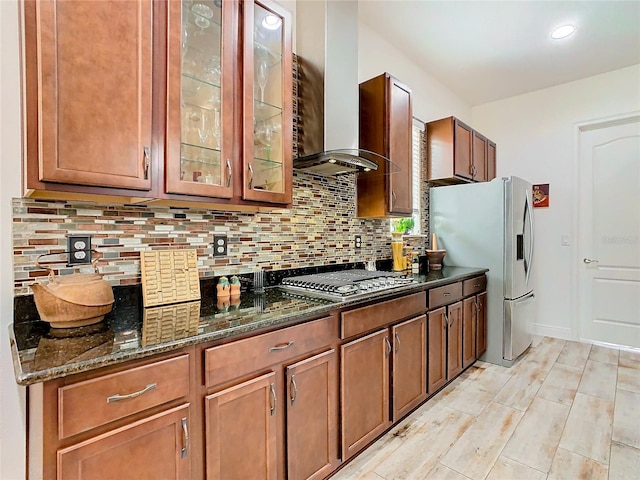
x=553 y=331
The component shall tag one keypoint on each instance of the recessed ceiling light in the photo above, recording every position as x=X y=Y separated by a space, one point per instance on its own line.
x=563 y=31
x=271 y=22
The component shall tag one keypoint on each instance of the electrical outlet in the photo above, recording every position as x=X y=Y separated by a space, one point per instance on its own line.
x=358 y=241
x=79 y=248
x=219 y=245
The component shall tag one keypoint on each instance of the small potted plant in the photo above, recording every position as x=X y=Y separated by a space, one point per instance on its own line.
x=404 y=225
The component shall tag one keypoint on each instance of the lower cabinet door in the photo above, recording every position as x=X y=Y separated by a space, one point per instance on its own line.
x=364 y=387
x=155 y=447
x=454 y=340
x=468 y=331
x=409 y=365
x=481 y=327
x=312 y=417
x=240 y=428
x=437 y=348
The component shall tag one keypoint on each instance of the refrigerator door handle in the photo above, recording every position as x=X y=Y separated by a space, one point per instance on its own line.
x=530 y=212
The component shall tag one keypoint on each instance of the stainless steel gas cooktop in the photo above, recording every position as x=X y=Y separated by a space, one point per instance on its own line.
x=345 y=284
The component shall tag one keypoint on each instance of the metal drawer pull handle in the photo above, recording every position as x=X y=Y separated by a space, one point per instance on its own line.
x=185 y=439
x=397 y=342
x=294 y=389
x=386 y=339
x=147 y=162
x=447 y=294
x=118 y=397
x=282 y=346
x=229 y=169
x=476 y=285
x=274 y=399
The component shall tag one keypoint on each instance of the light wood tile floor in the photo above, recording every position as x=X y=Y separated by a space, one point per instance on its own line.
x=566 y=410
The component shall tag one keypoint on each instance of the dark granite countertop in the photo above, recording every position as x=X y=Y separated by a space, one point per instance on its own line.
x=131 y=332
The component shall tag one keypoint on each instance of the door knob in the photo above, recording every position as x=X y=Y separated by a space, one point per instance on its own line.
x=588 y=261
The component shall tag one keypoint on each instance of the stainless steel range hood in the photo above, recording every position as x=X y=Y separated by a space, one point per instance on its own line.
x=327 y=49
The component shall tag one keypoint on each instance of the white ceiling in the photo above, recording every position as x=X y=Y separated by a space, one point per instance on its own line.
x=489 y=50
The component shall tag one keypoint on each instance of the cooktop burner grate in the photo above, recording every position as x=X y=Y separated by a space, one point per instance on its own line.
x=345 y=284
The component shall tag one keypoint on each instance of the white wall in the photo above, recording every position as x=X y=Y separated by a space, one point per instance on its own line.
x=431 y=99
x=12 y=397
x=536 y=138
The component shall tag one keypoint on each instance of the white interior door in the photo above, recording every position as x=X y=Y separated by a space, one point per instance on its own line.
x=609 y=233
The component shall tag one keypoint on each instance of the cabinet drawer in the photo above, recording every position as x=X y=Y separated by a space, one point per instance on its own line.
x=117 y=395
x=365 y=319
x=474 y=285
x=444 y=295
x=237 y=359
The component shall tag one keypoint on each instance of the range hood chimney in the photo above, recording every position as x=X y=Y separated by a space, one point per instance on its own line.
x=327 y=49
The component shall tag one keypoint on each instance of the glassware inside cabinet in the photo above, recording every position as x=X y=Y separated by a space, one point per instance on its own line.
x=200 y=96
x=268 y=167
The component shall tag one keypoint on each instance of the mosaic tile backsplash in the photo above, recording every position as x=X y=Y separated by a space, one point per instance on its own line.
x=318 y=230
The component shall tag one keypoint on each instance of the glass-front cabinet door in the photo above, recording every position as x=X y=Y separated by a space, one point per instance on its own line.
x=200 y=117
x=267 y=98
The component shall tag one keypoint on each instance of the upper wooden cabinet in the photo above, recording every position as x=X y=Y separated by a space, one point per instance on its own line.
x=385 y=128
x=190 y=101
x=457 y=153
x=89 y=93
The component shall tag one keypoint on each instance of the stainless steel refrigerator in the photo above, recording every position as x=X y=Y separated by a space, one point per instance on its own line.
x=490 y=224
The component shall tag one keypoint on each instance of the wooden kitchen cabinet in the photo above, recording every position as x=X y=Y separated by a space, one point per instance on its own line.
x=229 y=135
x=364 y=390
x=491 y=160
x=457 y=153
x=155 y=447
x=474 y=319
x=89 y=103
x=445 y=345
x=271 y=404
x=312 y=417
x=241 y=426
x=481 y=325
x=386 y=129
x=133 y=421
x=454 y=340
x=479 y=155
x=382 y=373
x=445 y=335
x=457 y=329
x=437 y=350
x=469 y=323
x=462 y=147
x=409 y=365
x=181 y=113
